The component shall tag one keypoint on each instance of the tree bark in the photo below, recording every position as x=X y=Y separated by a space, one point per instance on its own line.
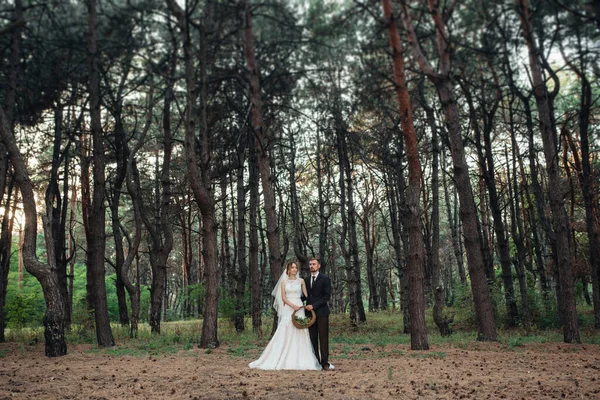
x=345 y=244
x=242 y=271
x=453 y=222
x=262 y=142
x=517 y=233
x=560 y=222
x=441 y=321
x=200 y=178
x=46 y=274
x=255 y=275
x=416 y=262
x=160 y=228
x=487 y=166
x=472 y=241
x=97 y=216
x=5 y=253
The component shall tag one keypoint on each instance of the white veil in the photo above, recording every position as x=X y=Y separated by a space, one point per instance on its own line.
x=276 y=293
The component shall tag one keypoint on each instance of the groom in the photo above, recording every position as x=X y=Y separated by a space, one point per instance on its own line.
x=319 y=290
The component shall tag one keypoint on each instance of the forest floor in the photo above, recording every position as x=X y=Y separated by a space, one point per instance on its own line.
x=472 y=370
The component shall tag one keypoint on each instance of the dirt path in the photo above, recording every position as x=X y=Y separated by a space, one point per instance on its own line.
x=486 y=371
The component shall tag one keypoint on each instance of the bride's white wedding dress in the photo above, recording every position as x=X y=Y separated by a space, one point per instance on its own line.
x=290 y=347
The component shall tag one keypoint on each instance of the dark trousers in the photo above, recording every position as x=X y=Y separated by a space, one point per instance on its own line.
x=319 y=337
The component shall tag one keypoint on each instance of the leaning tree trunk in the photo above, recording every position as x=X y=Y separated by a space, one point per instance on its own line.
x=97 y=217
x=560 y=221
x=416 y=262
x=46 y=274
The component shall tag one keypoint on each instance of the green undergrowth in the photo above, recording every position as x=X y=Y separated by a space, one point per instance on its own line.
x=380 y=337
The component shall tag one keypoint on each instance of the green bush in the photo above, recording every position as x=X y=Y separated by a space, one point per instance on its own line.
x=25 y=305
x=23 y=310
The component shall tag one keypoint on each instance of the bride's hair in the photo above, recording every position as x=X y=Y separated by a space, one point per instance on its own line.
x=289 y=265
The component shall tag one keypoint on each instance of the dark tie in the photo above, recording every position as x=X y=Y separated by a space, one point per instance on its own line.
x=312 y=283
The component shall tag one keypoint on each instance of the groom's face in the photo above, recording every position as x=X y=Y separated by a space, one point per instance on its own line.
x=314 y=266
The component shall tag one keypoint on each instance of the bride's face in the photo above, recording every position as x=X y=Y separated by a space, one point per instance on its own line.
x=293 y=269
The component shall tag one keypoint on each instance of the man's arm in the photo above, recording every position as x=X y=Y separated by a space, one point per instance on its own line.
x=304 y=297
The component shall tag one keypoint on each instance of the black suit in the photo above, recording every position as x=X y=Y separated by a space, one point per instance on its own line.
x=318 y=296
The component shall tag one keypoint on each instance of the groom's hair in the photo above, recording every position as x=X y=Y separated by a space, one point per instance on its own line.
x=315 y=259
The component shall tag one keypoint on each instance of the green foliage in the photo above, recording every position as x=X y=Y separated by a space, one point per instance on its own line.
x=25 y=306
x=543 y=309
x=463 y=307
x=23 y=310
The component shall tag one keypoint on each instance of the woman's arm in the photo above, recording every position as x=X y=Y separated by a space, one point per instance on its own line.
x=304 y=288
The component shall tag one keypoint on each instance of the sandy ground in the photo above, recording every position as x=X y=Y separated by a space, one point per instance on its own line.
x=483 y=371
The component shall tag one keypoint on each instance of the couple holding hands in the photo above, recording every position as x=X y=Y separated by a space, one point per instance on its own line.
x=290 y=347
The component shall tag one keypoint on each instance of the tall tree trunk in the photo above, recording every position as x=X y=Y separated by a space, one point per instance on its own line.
x=416 y=262
x=369 y=205
x=242 y=271
x=322 y=192
x=262 y=142
x=58 y=206
x=560 y=220
x=486 y=236
x=517 y=232
x=352 y=279
x=255 y=275
x=487 y=166
x=452 y=221
x=114 y=202
x=160 y=227
x=5 y=253
x=392 y=182
x=441 y=321
x=97 y=216
x=299 y=247
x=133 y=187
x=200 y=178
x=444 y=85
x=538 y=243
x=370 y=242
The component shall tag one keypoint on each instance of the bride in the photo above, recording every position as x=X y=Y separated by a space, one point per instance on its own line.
x=290 y=347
